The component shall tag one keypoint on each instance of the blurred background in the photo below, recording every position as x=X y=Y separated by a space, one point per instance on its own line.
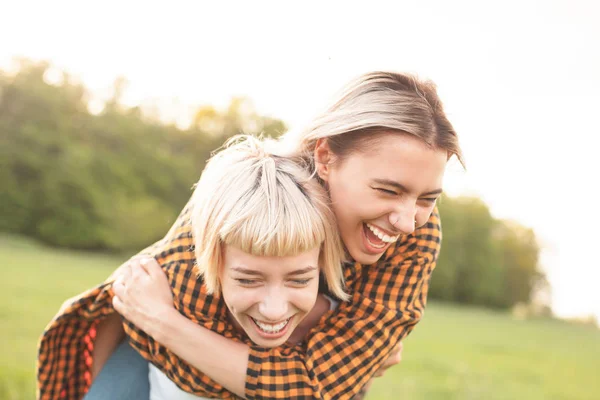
x=109 y=110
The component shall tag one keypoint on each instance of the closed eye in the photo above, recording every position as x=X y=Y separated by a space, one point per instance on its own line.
x=247 y=281
x=301 y=282
x=386 y=191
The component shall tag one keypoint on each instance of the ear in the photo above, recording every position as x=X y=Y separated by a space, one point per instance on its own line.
x=323 y=158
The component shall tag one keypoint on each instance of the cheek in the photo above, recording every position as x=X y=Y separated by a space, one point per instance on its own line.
x=348 y=205
x=424 y=213
x=240 y=299
x=341 y=187
x=354 y=201
x=305 y=299
x=304 y=303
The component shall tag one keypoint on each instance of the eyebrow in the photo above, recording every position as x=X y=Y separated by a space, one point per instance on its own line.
x=403 y=188
x=249 y=271
x=302 y=271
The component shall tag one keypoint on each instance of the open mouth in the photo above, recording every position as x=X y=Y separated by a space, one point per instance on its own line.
x=376 y=239
x=271 y=331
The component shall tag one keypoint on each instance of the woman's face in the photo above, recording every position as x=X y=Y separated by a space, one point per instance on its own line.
x=269 y=296
x=382 y=191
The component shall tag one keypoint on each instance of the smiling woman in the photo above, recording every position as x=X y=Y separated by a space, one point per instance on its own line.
x=377 y=202
x=269 y=296
x=265 y=206
x=263 y=235
x=379 y=153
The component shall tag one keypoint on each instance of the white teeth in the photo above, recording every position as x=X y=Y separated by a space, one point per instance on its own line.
x=269 y=328
x=381 y=235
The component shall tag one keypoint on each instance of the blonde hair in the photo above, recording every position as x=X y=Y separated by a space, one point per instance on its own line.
x=265 y=205
x=373 y=104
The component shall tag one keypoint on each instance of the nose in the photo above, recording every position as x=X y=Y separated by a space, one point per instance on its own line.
x=274 y=305
x=404 y=219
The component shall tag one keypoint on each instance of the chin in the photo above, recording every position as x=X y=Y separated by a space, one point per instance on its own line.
x=369 y=259
x=364 y=258
x=269 y=343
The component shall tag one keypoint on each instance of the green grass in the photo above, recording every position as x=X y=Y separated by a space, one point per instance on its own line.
x=470 y=353
x=455 y=352
x=34 y=282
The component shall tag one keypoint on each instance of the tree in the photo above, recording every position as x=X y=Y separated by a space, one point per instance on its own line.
x=483 y=260
x=113 y=181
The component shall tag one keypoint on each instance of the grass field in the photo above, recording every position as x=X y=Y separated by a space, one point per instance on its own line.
x=455 y=352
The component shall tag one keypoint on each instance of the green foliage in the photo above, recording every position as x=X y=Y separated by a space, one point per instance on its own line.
x=118 y=180
x=483 y=260
x=111 y=181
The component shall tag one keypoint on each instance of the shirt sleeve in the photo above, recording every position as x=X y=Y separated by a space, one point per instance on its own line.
x=350 y=343
x=66 y=346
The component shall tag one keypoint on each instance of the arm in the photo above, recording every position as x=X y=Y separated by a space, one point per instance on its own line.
x=346 y=349
x=109 y=334
x=351 y=344
x=143 y=296
x=180 y=334
x=109 y=331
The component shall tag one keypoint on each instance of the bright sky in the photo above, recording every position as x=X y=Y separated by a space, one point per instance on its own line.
x=520 y=81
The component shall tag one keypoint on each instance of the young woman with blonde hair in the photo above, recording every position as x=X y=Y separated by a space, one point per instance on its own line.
x=253 y=216
x=380 y=151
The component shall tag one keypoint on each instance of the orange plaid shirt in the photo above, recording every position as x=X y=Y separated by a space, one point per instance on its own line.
x=336 y=360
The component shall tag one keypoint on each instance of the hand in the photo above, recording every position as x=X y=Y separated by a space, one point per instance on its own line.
x=394 y=358
x=363 y=392
x=143 y=294
x=127 y=266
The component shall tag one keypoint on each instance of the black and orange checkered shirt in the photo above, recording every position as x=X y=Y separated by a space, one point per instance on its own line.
x=335 y=361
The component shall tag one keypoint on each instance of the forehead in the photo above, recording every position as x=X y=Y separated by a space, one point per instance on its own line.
x=400 y=157
x=235 y=257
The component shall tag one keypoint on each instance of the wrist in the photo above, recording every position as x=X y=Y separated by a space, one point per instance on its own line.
x=165 y=324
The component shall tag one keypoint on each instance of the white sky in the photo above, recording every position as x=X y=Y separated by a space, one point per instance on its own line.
x=520 y=81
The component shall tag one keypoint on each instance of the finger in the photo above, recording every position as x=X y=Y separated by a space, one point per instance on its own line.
x=139 y=257
x=393 y=360
x=118 y=287
x=125 y=274
x=152 y=267
x=396 y=349
x=133 y=264
x=123 y=270
x=138 y=271
x=118 y=305
x=395 y=354
x=364 y=390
